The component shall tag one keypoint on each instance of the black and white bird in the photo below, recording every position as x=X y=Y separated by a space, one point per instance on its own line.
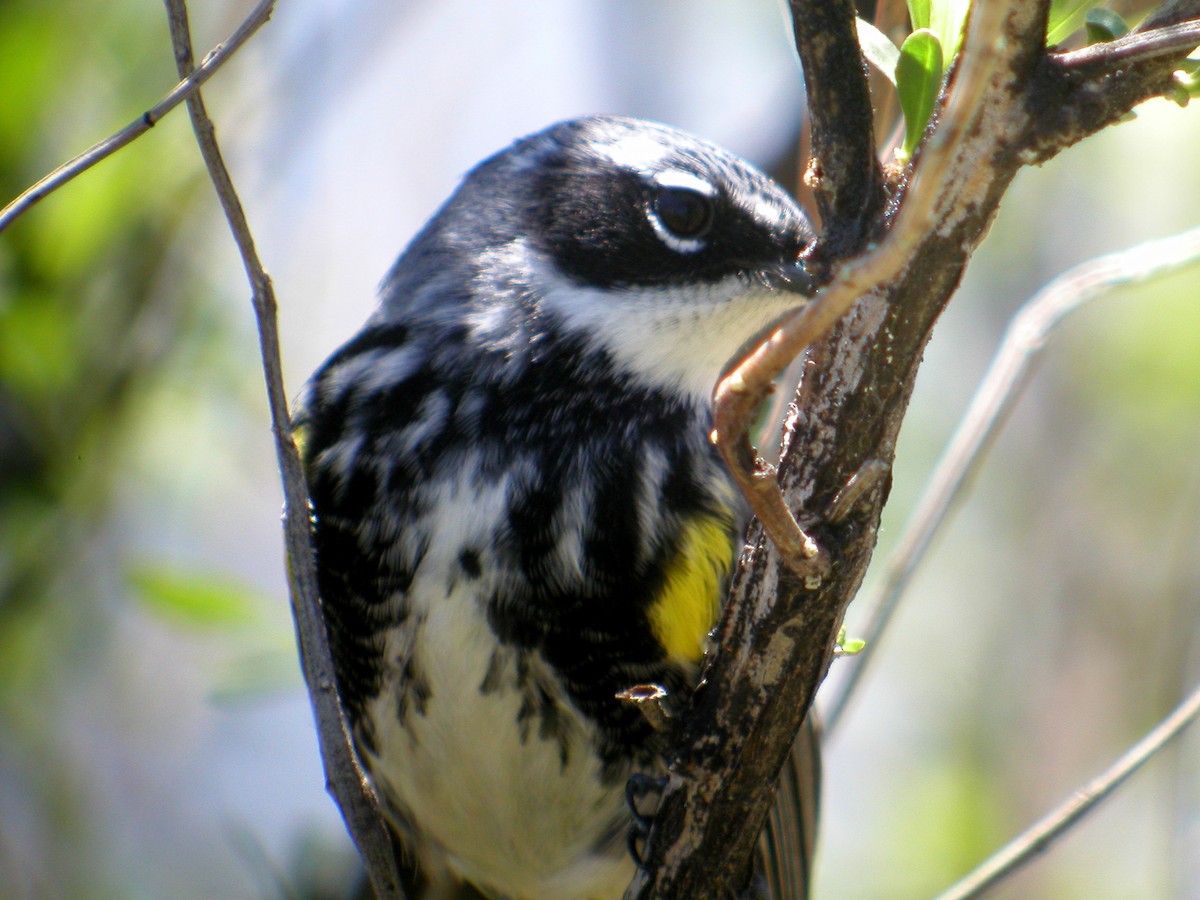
x=517 y=510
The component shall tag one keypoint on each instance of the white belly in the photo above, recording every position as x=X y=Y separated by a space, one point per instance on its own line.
x=519 y=810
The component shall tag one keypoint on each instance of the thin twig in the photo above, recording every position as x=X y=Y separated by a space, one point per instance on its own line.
x=1140 y=46
x=346 y=781
x=216 y=58
x=1037 y=839
x=993 y=401
x=739 y=394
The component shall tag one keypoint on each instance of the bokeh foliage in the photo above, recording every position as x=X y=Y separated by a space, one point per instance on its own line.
x=99 y=311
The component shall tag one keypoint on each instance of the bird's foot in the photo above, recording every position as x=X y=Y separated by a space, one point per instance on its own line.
x=638 y=789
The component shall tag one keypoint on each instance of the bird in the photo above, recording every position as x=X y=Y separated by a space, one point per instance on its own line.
x=517 y=510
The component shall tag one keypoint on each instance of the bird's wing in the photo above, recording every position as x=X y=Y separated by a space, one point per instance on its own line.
x=787 y=847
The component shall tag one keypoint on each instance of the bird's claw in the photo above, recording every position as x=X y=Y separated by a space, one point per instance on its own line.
x=637 y=788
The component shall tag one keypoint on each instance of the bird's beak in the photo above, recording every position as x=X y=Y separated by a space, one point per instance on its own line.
x=792 y=277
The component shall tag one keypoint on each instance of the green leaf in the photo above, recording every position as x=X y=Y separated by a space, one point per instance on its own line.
x=845 y=646
x=919 y=13
x=878 y=48
x=1066 y=17
x=1185 y=82
x=918 y=80
x=853 y=647
x=946 y=18
x=194 y=598
x=1104 y=25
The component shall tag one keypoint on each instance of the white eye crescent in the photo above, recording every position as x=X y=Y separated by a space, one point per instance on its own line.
x=681 y=210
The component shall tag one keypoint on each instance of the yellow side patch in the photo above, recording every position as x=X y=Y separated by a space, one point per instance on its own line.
x=686 y=610
x=300 y=436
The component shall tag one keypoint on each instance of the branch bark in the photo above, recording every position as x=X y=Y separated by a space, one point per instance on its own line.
x=1026 y=337
x=345 y=780
x=1009 y=102
x=844 y=172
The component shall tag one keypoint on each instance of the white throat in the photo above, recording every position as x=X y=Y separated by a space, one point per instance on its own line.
x=676 y=337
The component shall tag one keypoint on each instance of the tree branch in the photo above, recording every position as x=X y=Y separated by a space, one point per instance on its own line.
x=938 y=178
x=998 y=393
x=216 y=58
x=865 y=332
x=1136 y=48
x=776 y=638
x=1080 y=92
x=844 y=172
x=345 y=779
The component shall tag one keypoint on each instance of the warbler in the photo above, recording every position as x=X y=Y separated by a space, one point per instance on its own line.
x=517 y=508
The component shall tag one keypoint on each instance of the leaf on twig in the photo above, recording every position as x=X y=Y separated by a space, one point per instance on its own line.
x=1066 y=17
x=919 y=13
x=1185 y=82
x=845 y=646
x=878 y=49
x=1104 y=25
x=945 y=18
x=918 y=80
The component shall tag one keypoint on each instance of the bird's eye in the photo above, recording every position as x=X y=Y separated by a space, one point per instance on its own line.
x=683 y=212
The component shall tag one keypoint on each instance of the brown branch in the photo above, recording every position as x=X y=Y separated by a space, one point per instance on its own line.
x=69 y=170
x=1135 y=48
x=997 y=395
x=1080 y=92
x=740 y=394
x=777 y=633
x=844 y=172
x=345 y=779
x=776 y=636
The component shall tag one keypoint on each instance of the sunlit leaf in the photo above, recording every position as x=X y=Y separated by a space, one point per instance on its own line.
x=946 y=19
x=1066 y=17
x=919 y=13
x=1185 y=82
x=878 y=48
x=918 y=79
x=851 y=647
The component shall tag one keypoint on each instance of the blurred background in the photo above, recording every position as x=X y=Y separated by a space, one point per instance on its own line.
x=155 y=738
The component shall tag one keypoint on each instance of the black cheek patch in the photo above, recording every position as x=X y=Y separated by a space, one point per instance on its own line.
x=597 y=230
